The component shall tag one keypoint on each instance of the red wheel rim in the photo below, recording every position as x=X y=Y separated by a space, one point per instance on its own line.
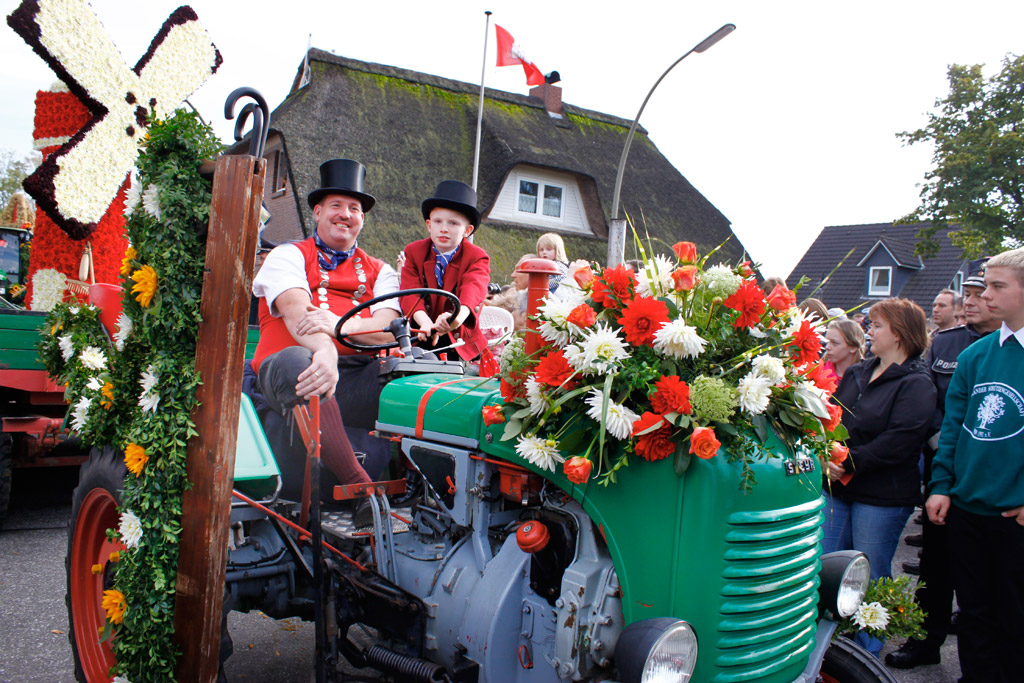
x=90 y=547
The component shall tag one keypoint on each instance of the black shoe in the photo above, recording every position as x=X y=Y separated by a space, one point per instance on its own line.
x=954 y=622
x=912 y=568
x=912 y=653
x=919 y=520
x=916 y=540
x=363 y=515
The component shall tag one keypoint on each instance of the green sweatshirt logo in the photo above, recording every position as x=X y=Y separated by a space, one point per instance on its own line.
x=998 y=411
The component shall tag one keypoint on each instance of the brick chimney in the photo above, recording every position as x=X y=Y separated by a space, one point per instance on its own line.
x=552 y=97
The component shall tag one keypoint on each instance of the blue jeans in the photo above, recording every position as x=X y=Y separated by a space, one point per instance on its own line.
x=872 y=529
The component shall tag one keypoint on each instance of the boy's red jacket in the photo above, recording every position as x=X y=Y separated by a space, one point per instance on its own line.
x=467 y=277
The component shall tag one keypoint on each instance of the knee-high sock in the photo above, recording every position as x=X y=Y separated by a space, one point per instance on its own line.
x=335 y=450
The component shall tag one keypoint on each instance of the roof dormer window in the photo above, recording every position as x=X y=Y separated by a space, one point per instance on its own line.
x=531 y=192
x=541 y=198
x=880 y=281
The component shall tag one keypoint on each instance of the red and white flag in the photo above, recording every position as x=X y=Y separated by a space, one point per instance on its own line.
x=510 y=54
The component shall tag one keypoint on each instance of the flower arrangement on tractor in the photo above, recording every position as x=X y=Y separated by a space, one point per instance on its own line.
x=674 y=360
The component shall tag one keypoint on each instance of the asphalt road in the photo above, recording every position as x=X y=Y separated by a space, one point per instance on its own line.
x=34 y=623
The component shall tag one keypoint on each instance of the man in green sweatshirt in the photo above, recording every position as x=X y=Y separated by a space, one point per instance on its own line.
x=977 y=484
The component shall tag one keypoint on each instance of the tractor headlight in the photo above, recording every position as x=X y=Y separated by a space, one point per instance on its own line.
x=844 y=580
x=661 y=650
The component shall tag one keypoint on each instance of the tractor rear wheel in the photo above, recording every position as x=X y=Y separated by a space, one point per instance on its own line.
x=847 y=662
x=93 y=511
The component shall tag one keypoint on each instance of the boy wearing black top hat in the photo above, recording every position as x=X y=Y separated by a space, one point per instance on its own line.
x=445 y=260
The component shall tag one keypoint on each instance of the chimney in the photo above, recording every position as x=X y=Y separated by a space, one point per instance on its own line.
x=552 y=96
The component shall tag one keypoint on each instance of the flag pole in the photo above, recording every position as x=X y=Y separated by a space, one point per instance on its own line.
x=480 y=109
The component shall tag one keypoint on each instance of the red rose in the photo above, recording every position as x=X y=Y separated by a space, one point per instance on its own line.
x=782 y=298
x=703 y=443
x=614 y=287
x=493 y=415
x=642 y=318
x=838 y=453
x=744 y=269
x=824 y=378
x=684 y=278
x=555 y=371
x=686 y=252
x=577 y=469
x=584 y=277
x=653 y=445
x=582 y=316
x=749 y=301
x=807 y=344
x=835 y=417
x=672 y=395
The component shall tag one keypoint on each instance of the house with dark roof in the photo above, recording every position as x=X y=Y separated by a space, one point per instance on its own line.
x=853 y=265
x=545 y=165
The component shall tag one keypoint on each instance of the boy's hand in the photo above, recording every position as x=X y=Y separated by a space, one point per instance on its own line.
x=937 y=506
x=442 y=326
x=317 y=320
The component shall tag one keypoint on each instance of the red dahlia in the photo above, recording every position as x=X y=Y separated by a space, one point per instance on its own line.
x=642 y=318
x=749 y=301
x=672 y=395
x=555 y=371
x=614 y=287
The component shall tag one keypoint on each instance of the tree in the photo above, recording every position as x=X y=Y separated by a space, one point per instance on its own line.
x=12 y=172
x=977 y=183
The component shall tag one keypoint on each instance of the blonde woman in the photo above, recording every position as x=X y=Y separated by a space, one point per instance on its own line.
x=844 y=346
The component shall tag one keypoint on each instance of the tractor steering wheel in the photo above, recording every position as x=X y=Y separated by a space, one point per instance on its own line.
x=399 y=327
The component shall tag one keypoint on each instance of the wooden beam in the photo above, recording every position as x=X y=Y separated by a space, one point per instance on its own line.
x=205 y=522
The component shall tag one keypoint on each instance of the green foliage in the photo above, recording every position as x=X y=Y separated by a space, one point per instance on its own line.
x=161 y=346
x=905 y=616
x=977 y=181
x=12 y=172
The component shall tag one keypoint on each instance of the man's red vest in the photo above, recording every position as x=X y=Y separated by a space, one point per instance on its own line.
x=343 y=281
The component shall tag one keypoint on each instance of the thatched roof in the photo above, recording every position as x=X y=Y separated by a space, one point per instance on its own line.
x=412 y=130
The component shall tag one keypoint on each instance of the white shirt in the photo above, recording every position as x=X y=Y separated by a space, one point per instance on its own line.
x=1005 y=333
x=285 y=268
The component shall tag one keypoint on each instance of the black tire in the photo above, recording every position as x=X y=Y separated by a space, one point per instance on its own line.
x=847 y=662
x=93 y=510
x=6 y=469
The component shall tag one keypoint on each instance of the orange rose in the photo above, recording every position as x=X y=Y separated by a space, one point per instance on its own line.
x=493 y=415
x=835 y=417
x=686 y=252
x=584 y=277
x=838 y=453
x=703 y=443
x=782 y=298
x=684 y=278
x=577 y=469
x=583 y=316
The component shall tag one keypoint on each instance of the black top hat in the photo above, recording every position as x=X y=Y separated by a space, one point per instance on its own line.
x=451 y=194
x=342 y=176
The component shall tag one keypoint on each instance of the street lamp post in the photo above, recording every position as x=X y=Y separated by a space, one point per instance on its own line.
x=617 y=227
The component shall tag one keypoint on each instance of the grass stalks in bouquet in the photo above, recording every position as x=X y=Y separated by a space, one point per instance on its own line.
x=677 y=359
x=889 y=610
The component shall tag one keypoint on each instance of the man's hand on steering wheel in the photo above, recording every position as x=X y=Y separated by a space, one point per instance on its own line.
x=397 y=330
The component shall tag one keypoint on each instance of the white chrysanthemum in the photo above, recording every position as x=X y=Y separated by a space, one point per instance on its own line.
x=149 y=379
x=754 y=392
x=149 y=402
x=130 y=529
x=721 y=281
x=554 y=327
x=619 y=419
x=770 y=368
x=541 y=452
x=125 y=326
x=756 y=332
x=535 y=397
x=134 y=193
x=80 y=414
x=94 y=384
x=74 y=310
x=871 y=615
x=93 y=358
x=679 y=340
x=67 y=347
x=151 y=201
x=796 y=319
x=655 y=278
x=47 y=289
x=598 y=352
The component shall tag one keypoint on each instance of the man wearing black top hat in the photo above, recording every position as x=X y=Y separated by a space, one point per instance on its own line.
x=305 y=287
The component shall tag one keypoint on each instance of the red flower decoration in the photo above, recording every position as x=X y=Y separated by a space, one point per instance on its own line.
x=838 y=454
x=749 y=301
x=654 y=445
x=686 y=252
x=672 y=395
x=584 y=277
x=615 y=287
x=513 y=386
x=744 y=269
x=684 y=278
x=577 y=469
x=582 y=316
x=781 y=298
x=807 y=344
x=835 y=417
x=493 y=415
x=703 y=443
x=823 y=377
x=555 y=371
x=642 y=318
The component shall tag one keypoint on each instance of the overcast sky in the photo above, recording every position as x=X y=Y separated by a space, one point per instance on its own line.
x=787 y=125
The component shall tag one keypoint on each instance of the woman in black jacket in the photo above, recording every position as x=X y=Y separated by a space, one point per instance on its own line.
x=888 y=402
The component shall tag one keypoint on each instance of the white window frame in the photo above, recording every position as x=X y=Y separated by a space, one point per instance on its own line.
x=879 y=291
x=541 y=185
x=957 y=285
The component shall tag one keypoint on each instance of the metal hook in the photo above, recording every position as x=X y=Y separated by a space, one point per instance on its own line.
x=261 y=118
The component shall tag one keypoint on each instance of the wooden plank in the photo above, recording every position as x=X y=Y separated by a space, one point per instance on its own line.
x=227 y=283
